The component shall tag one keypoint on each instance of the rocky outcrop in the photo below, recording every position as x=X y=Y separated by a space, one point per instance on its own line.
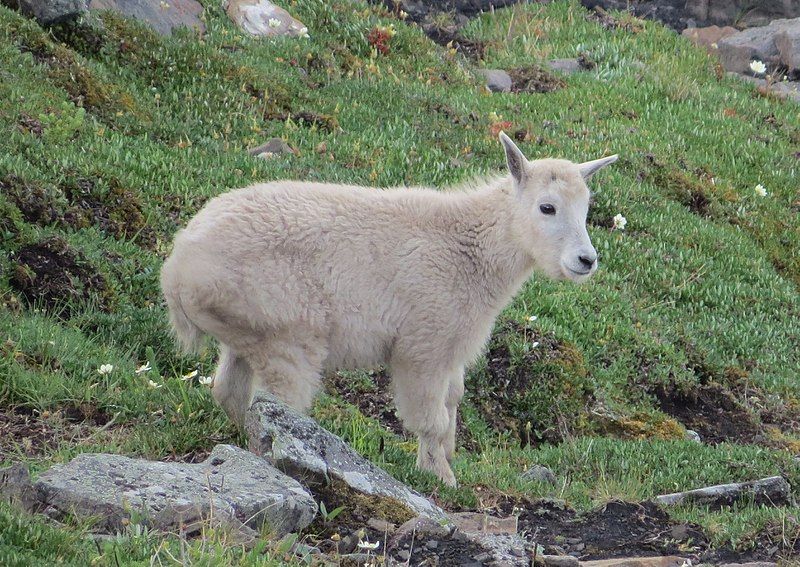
x=234 y=486
x=773 y=490
x=298 y=446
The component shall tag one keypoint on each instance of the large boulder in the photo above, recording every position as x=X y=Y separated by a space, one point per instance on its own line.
x=738 y=50
x=232 y=483
x=297 y=445
x=50 y=12
x=162 y=16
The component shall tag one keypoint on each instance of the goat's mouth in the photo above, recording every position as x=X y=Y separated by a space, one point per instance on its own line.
x=576 y=275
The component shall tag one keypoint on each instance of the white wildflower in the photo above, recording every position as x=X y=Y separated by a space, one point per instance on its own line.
x=274 y=23
x=534 y=344
x=403 y=14
x=189 y=376
x=154 y=385
x=758 y=67
x=143 y=368
x=304 y=32
x=714 y=45
x=105 y=369
x=206 y=380
x=760 y=190
x=532 y=318
x=620 y=222
x=367 y=545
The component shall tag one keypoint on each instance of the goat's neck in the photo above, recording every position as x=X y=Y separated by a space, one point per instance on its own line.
x=505 y=264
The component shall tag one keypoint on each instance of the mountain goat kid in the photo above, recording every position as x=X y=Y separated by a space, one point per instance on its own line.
x=295 y=279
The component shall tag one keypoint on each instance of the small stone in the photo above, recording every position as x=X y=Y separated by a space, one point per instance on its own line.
x=579 y=547
x=559 y=560
x=573 y=540
x=403 y=555
x=477 y=523
x=272 y=147
x=568 y=66
x=432 y=544
x=539 y=473
x=497 y=80
x=263 y=18
x=381 y=525
x=483 y=556
x=692 y=435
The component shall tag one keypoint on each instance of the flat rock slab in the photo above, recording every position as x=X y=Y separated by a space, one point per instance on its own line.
x=497 y=80
x=771 y=490
x=234 y=483
x=478 y=523
x=162 y=16
x=263 y=18
x=297 y=445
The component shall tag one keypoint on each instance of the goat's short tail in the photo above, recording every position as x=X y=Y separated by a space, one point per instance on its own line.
x=189 y=335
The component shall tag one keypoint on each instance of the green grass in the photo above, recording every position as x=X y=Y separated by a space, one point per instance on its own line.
x=137 y=131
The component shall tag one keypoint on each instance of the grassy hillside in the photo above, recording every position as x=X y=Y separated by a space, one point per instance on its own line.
x=113 y=137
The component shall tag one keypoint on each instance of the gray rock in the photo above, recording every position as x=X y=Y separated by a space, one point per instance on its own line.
x=708 y=37
x=296 y=444
x=738 y=50
x=49 y=12
x=774 y=490
x=751 y=564
x=263 y=18
x=497 y=80
x=540 y=474
x=567 y=66
x=16 y=487
x=692 y=435
x=242 y=489
x=788 y=43
x=163 y=17
x=272 y=147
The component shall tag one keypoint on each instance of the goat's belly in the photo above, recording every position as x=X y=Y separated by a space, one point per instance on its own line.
x=352 y=347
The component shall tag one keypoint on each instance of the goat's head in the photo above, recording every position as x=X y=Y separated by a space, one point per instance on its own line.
x=552 y=201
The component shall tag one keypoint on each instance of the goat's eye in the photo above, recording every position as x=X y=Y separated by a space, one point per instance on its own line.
x=547 y=209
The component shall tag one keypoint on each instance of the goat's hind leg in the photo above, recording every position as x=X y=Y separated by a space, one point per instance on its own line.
x=233 y=384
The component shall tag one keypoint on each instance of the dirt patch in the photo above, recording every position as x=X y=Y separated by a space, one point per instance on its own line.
x=472 y=49
x=625 y=21
x=36 y=203
x=534 y=80
x=618 y=529
x=30 y=433
x=712 y=410
x=117 y=211
x=30 y=125
x=534 y=385
x=53 y=275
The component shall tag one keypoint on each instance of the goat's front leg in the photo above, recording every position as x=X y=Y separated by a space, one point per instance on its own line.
x=421 y=405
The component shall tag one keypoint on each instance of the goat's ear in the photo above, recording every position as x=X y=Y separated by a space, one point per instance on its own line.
x=516 y=161
x=591 y=167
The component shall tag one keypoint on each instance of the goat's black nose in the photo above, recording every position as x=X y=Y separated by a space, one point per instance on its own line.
x=587 y=260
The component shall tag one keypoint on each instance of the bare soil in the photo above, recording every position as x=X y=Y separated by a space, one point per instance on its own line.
x=712 y=411
x=534 y=80
x=51 y=274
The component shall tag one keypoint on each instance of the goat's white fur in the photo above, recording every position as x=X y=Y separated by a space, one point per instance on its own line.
x=295 y=279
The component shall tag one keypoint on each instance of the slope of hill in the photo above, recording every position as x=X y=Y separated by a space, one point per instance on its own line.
x=113 y=137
